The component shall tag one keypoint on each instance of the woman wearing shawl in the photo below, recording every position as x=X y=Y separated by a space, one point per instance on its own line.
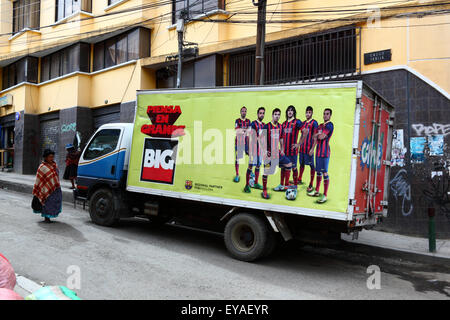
x=47 y=188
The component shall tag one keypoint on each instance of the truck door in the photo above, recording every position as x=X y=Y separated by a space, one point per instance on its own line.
x=102 y=156
x=374 y=156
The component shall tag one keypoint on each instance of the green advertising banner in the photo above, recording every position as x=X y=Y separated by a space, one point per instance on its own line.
x=184 y=145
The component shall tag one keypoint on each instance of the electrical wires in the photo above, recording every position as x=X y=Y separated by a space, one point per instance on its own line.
x=238 y=15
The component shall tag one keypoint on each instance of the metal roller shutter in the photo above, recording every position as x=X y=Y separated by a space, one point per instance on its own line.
x=105 y=115
x=50 y=128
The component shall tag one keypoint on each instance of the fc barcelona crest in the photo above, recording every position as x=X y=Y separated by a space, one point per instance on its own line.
x=188 y=185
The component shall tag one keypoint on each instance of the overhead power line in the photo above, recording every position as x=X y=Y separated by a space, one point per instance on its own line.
x=167 y=17
x=154 y=5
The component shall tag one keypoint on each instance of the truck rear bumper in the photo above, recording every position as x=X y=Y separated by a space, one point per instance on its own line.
x=366 y=222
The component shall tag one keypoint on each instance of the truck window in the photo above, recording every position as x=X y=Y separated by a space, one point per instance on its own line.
x=103 y=143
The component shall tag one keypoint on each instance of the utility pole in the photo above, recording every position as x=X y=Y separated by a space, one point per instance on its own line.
x=260 y=41
x=431 y=229
x=180 y=31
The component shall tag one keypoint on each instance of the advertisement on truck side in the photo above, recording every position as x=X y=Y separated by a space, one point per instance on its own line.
x=236 y=147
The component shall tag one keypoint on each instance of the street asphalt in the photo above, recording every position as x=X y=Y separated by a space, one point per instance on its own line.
x=138 y=260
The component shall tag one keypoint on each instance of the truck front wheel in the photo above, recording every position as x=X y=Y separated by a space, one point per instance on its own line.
x=248 y=237
x=102 y=208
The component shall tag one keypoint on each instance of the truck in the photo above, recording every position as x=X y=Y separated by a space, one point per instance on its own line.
x=186 y=160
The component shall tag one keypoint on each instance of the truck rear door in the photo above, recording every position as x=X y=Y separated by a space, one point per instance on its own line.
x=375 y=138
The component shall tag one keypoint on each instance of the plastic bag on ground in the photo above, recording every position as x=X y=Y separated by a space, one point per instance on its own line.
x=7 y=275
x=6 y=294
x=53 y=293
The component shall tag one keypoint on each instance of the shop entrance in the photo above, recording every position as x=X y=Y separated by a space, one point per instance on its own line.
x=7 y=142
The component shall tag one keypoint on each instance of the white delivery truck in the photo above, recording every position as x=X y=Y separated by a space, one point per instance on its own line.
x=211 y=158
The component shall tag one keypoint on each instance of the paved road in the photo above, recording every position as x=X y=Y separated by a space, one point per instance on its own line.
x=138 y=260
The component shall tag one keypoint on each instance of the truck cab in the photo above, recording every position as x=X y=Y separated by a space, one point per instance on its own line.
x=104 y=161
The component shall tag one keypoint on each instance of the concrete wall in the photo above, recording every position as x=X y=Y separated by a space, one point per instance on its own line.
x=26 y=144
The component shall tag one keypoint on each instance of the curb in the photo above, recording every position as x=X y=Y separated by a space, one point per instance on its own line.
x=413 y=256
x=433 y=255
x=28 y=189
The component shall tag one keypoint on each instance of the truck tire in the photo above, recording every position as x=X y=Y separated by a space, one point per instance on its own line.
x=272 y=244
x=102 y=208
x=248 y=237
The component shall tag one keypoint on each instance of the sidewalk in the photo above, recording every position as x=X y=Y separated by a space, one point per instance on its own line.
x=397 y=242
x=24 y=183
x=378 y=239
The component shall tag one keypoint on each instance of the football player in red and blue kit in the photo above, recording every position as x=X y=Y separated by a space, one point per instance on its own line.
x=273 y=152
x=309 y=127
x=255 y=149
x=291 y=129
x=241 y=125
x=322 y=138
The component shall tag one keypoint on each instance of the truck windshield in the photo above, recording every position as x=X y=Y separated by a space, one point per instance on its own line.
x=104 y=142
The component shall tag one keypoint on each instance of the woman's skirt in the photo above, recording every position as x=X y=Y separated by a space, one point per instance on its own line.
x=53 y=205
x=70 y=172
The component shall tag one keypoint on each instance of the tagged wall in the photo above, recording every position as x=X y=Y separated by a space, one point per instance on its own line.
x=420 y=154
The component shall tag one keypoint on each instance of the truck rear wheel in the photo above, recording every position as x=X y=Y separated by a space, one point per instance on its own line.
x=102 y=209
x=248 y=237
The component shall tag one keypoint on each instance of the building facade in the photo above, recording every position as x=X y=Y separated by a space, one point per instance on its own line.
x=69 y=66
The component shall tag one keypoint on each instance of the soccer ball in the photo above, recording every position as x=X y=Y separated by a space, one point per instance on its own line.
x=251 y=182
x=291 y=194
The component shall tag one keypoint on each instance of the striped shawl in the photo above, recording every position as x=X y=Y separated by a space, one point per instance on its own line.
x=47 y=181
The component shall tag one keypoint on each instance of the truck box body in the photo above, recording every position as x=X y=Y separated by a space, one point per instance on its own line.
x=199 y=163
x=177 y=162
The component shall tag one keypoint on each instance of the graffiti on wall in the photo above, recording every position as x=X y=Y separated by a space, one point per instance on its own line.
x=71 y=127
x=435 y=129
x=18 y=134
x=368 y=146
x=401 y=190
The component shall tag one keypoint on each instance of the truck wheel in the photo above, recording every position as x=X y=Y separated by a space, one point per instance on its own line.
x=248 y=237
x=102 y=208
x=272 y=243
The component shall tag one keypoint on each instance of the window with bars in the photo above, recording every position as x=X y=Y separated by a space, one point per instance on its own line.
x=65 y=8
x=195 y=7
x=24 y=70
x=26 y=14
x=132 y=45
x=316 y=57
x=65 y=61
